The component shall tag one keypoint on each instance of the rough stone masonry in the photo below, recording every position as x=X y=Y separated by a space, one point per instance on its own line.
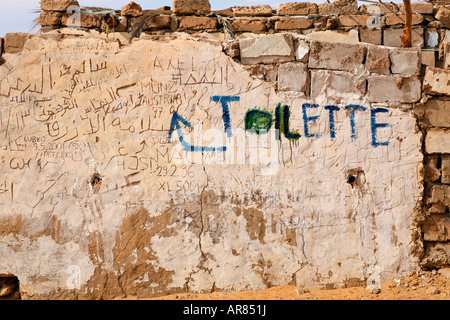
x=180 y=162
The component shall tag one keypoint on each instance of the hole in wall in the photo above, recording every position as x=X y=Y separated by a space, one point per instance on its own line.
x=351 y=180
x=9 y=288
x=96 y=180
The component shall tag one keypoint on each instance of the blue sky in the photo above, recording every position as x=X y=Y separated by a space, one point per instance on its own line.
x=18 y=15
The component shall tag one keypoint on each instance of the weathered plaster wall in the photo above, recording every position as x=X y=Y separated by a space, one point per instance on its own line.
x=129 y=170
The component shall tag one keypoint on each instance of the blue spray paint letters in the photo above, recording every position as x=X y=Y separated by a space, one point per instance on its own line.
x=375 y=125
x=175 y=124
x=226 y=111
x=332 y=109
x=353 y=108
x=307 y=119
x=177 y=119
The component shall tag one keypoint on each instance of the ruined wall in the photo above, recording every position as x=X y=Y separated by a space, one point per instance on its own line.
x=181 y=163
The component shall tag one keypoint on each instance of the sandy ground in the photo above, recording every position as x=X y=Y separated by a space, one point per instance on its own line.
x=426 y=285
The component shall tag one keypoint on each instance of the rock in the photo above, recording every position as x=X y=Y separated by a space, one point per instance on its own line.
x=437 y=81
x=438 y=141
x=7 y=288
x=394 y=89
x=58 y=5
x=197 y=23
x=291 y=23
x=253 y=11
x=14 y=42
x=443 y=15
x=373 y=290
x=191 y=7
x=433 y=291
x=323 y=55
x=405 y=61
x=293 y=76
x=297 y=8
x=249 y=25
x=131 y=9
x=301 y=291
x=444 y=272
x=267 y=49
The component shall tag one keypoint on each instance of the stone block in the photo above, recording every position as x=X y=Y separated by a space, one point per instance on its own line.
x=291 y=23
x=377 y=60
x=85 y=21
x=372 y=36
x=159 y=22
x=50 y=18
x=439 y=194
x=336 y=84
x=394 y=19
x=392 y=37
x=437 y=81
x=131 y=9
x=436 y=228
x=191 y=7
x=351 y=37
x=293 y=76
x=445 y=167
x=397 y=88
x=253 y=11
x=443 y=15
x=405 y=61
x=231 y=48
x=324 y=55
x=437 y=141
x=14 y=42
x=338 y=7
x=301 y=51
x=352 y=20
x=379 y=8
x=297 y=8
x=197 y=23
x=249 y=25
x=58 y=5
x=428 y=58
x=267 y=72
x=432 y=172
x=267 y=49
x=446 y=56
x=417 y=7
x=436 y=113
x=431 y=38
